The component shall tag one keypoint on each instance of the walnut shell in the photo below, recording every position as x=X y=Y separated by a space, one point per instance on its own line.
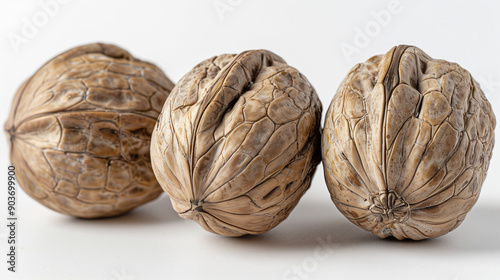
x=80 y=130
x=237 y=142
x=406 y=144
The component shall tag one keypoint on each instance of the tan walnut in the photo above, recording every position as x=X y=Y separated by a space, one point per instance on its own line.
x=80 y=131
x=406 y=144
x=237 y=142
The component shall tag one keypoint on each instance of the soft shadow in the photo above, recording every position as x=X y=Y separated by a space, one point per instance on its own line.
x=313 y=224
x=479 y=232
x=157 y=211
x=308 y=226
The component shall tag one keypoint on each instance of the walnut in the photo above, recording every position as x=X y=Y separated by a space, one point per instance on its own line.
x=406 y=144
x=237 y=142
x=80 y=130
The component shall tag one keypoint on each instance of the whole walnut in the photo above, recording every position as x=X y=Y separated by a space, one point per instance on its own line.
x=406 y=144
x=80 y=130
x=237 y=142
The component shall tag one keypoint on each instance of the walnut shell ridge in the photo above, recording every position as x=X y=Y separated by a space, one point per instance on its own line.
x=406 y=144
x=237 y=142
x=80 y=131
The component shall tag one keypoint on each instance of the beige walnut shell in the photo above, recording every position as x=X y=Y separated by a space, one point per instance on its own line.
x=237 y=142
x=406 y=144
x=80 y=131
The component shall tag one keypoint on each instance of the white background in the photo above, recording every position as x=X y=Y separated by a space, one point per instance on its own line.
x=152 y=242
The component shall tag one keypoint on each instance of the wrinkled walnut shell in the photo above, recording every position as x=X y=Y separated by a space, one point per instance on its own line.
x=237 y=142
x=406 y=144
x=80 y=130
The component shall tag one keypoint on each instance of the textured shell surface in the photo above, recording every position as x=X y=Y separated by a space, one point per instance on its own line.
x=80 y=131
x=406 y=144
x=237 y=142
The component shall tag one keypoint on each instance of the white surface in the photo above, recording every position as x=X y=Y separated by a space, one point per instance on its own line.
x=152 y=242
